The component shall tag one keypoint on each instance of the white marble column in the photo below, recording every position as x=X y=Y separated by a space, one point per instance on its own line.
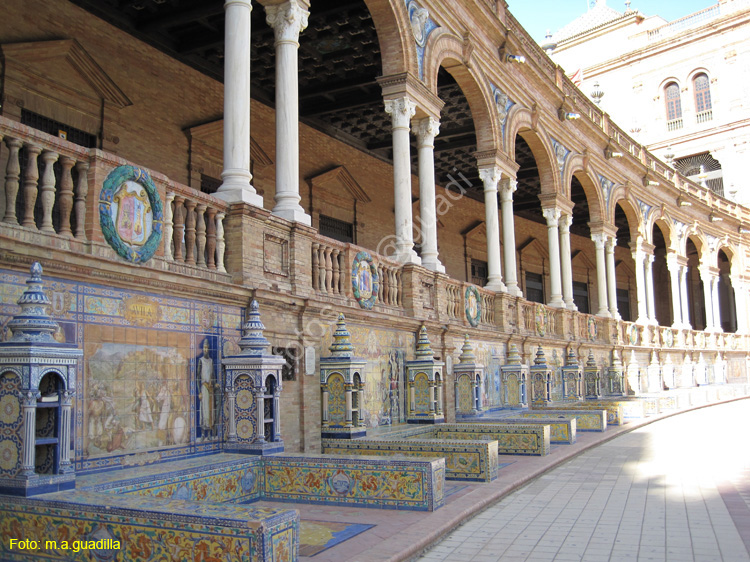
x=491 y=177
x=288 y=20
x=566 y=264
x=674 y=279
x=260 y=428
x=552 y=215
x=731 y=301
x=601 y=274
x=708 y=298
x=650 y=305
x=426 y=130
x=684 y=297
x=639 y=256
x=612 y=277
x=741 y=312
x=401 y=111
x=507 y=187
x=236 y=176
x=715 y=302
x=231 y=402
x=28 y=400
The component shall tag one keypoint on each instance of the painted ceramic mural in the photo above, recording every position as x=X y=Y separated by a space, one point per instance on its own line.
x=149 y=375
x=385 y=373
x=492 y=356
x=137 y=398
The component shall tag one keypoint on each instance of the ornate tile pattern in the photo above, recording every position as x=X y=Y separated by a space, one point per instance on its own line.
x=10 y=424
x=464 y=460
x=586 y=420
x=393 y=482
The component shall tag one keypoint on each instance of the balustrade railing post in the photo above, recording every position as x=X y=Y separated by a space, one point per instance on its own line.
x=211 y=238
x=168 y=226
x=190 y=231
x=220 y=243
x=48 y=190
x=12 y=175
x=179 y=227
x=66 y=195
x=315 y=266
x=329 y=270
x=82 y=191
x=200 y=234
x=30 y=181
x=336 y=272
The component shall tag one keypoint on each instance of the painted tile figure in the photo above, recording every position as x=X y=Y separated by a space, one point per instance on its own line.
x=205 y=374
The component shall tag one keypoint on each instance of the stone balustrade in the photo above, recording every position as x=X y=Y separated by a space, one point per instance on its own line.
x=330 y=268
x=194 y=229
x=51 y=192
x=46 y=181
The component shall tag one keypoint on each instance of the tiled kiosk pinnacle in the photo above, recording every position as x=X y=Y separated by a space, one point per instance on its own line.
x=37 y=383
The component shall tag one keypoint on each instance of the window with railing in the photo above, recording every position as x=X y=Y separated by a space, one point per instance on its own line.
x=337 y=229
x=702 y=94
x=57 y=129
x=673 y=106
x=534 y=287
x=623 y=304
x=581 y=296
x=479 y=272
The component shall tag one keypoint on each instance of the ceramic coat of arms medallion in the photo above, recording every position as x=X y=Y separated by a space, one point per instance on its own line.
x=473 y=305
x=130 y=213
x=540 y=320
x=365 y=281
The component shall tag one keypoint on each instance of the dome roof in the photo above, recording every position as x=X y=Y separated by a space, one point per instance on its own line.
x=597 y=16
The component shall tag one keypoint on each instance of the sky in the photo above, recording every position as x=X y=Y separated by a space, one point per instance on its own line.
x=537 y=16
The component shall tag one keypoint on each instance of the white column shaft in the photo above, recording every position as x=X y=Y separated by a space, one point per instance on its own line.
x=426 y=130
x=288 y=21
x=509 y=237
x=650 y=304
x=612 y=278
x=236 y=173
x=401 y=111
x=715 y=302
x=684 y=297
x=601 y=274
x=708 y=299
x=552 y=216
x=491 y=177
x=640 y=281
x=566 y=264
x=674 y=276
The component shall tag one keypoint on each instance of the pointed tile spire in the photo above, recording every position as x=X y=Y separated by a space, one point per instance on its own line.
x=424 y=349
x=591 y=362
x=540 y=358
x=33 y=323
x=342 y=345
x=253 y=342
x=514 y=358
x=572 y=358
x=467 y=351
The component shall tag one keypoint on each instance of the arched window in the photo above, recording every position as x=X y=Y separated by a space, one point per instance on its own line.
x=674 y=106
x=672 y=96
x=702 y=92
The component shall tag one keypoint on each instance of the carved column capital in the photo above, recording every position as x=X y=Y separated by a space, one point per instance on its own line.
x=552 y=216
x=288 y=20
x=564 y=223
x=401 y=111
x=490 y=177
x=426 y=130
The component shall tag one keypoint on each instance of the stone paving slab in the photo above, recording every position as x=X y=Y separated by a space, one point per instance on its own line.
x=668 y=491
x=401 y=535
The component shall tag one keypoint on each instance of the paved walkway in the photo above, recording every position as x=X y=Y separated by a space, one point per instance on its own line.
x=675 y=490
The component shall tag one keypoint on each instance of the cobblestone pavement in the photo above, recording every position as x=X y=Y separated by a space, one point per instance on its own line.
x=677 y=490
